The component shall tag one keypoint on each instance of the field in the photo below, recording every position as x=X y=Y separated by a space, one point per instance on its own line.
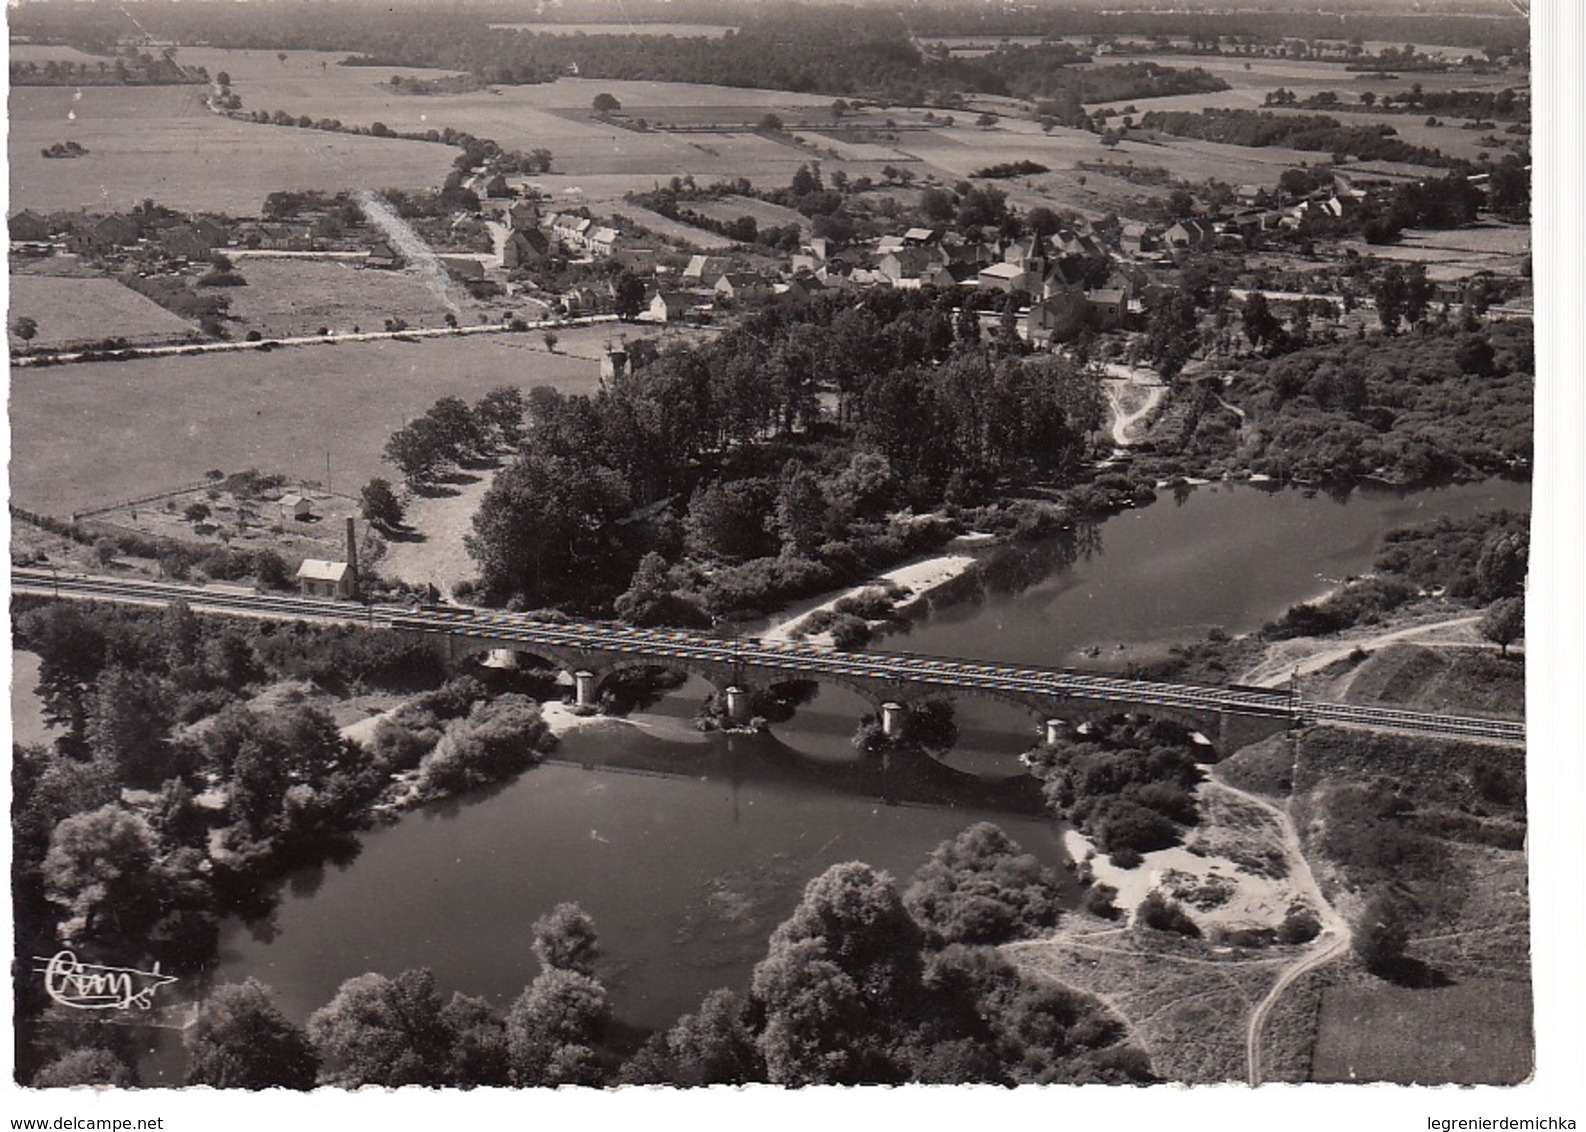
x=1250 y=88
x=162 y=142
x=70 y=311
x=766 y=214
x=85 y=435
x=681 y=31
x=1381 y=1032
x=286 y=297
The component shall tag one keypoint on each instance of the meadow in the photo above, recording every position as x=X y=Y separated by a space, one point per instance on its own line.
x=1380 y=1032
x=73 y=311
x=87 y=434
x=164 y=143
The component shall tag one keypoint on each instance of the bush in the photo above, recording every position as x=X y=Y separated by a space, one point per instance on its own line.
x=1098 y=901
x=1159 y=913
x=1299 y=926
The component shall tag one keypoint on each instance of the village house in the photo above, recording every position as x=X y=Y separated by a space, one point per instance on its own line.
x=741 y=286
x=185 y=242
x=103 y=236
x=801 y=288
x=28 y=226
x=951 y=276
x=1009 y=278
x=705 y=270
x=641 y=261
x=524 y=248
x=670 y=306
x=1188 y=234
x=1056 y=318
x=906 y=267
x=1111 y=307
x=296 y=507
x=1137 y=239
x=318 y=577
x=921 y=238
x=603 y=240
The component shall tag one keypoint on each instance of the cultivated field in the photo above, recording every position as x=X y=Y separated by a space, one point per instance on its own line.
x=73 y=311
x=85 y=435
x=162 y=142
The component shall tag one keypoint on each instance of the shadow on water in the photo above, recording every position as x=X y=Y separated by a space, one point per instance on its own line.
x=740 y=758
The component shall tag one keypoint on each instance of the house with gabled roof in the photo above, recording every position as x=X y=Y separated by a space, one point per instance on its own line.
x=318 y=577
x=705 y=270
x=1056 y=317
x=1005 y=277
x=741 y=286
x=907 y=267
x=670 y=306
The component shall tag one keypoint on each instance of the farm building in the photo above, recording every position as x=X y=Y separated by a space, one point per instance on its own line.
x=741 y=285
x=318 y=577
x=462 y=268
x=382 y=256
x=28 y=226
x=524 y=247
x=296 y=507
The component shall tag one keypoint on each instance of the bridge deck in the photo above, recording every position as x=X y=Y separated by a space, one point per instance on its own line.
x=796 y=659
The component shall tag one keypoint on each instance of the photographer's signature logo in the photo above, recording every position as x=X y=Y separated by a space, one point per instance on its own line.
x=89 y=986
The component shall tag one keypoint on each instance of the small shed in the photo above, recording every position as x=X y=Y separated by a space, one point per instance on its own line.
x=318 y=577
x=296 y=507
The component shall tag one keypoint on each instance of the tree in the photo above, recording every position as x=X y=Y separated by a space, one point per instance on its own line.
x=838 y=982
x=554 y=1029
x=1504 y=622
x=565 y=939
x=605 y=103
x=479 y=1043
x=550 y=339
x=1381 y=934
x=25 y=328
x=1260 y=324
x=979 y=888
x=383 y=1031
x=85 y=1067
x=381 y=505
x=770 y=124
x=241 y=1040
x=1390 y=296
x=628 y=295
x=1502 y=565
x=99 y=868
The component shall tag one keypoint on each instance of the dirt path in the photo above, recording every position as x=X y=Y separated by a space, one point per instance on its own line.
x=1332 y=941
x=1132 y=395
x=439 y=558
x=1308 y=655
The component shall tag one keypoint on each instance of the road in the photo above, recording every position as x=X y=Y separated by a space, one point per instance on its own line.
x=194 y=348
x=792 y=657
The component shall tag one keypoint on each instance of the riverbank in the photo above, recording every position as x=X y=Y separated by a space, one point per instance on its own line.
x=915 y=581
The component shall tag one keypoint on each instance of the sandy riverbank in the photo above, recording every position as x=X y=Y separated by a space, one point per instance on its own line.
x=919 y=579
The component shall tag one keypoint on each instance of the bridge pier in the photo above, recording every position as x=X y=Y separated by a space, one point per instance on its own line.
x=894 y=717
x=584 y=689
x=737 y=705
x=1054 y=731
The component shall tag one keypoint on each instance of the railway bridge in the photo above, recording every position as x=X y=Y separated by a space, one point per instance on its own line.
x=593 y=652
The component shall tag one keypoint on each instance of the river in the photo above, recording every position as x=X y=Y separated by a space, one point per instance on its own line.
x=688 y=850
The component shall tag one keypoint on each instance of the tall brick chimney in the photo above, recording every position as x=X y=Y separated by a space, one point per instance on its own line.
x=352 y=548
